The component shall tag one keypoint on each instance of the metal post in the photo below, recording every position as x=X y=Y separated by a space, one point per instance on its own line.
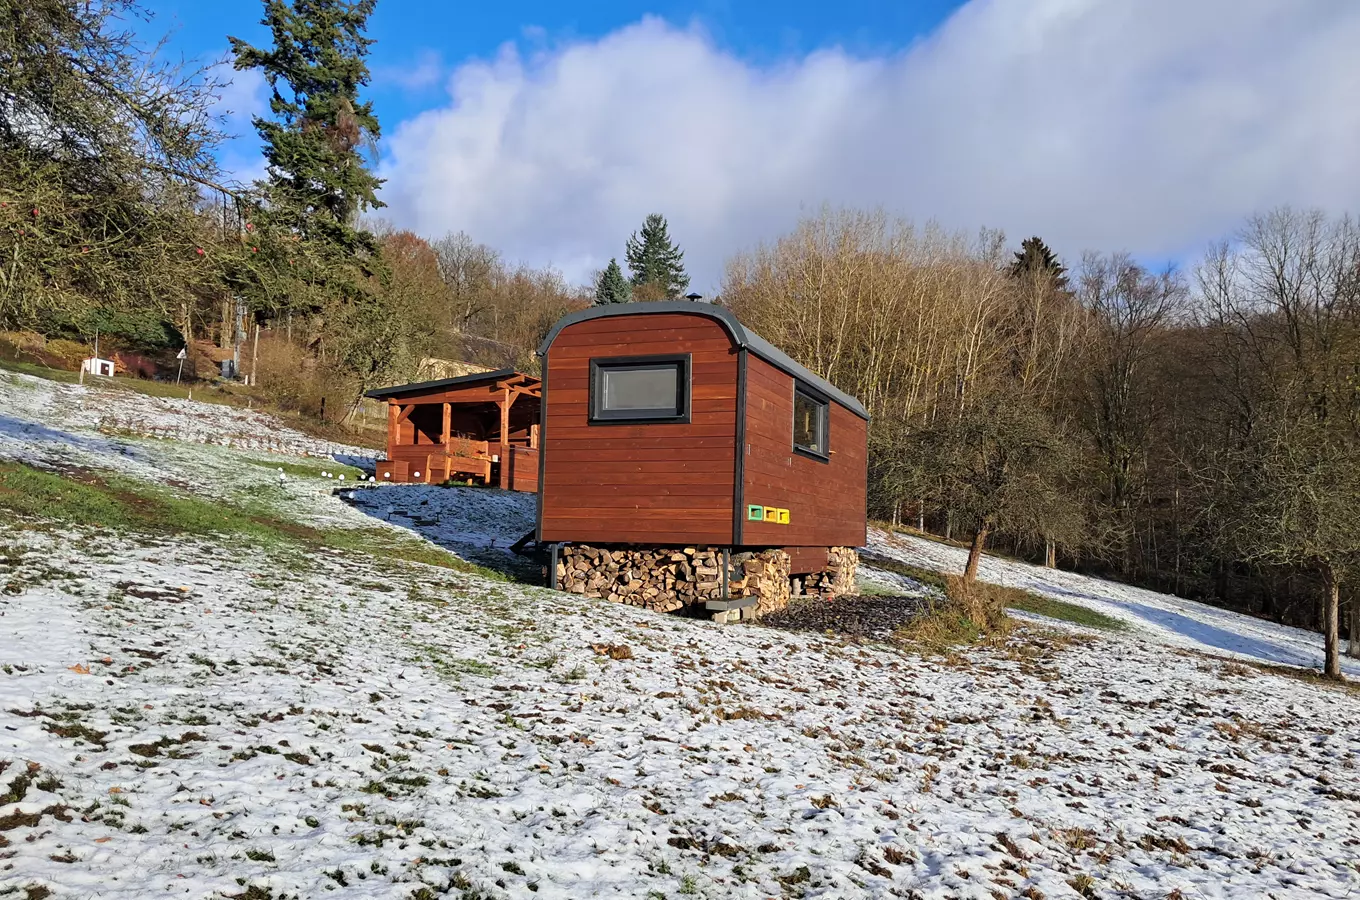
x=552 y=565
x=727 y=564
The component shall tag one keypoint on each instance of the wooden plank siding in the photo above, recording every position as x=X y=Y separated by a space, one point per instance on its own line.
x=826 y=500
x=803 y=560
x=664 y=483
x=523 y=469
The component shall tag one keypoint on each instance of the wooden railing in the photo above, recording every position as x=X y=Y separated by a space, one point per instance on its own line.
x=459 y=459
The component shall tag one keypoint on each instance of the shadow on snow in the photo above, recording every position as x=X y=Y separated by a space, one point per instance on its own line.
x=475 y=524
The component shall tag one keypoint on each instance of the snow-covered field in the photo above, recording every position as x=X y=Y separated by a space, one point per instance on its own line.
x=1153 y=617
x=184 y=718
x=36 y=411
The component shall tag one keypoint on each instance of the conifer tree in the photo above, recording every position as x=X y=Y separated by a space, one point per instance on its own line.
x=658 y=266
x=611 y=286
x=317 y=185
x=317 y=182
x=1034 y=256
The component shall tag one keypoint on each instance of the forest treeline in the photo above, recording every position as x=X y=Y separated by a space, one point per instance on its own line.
x=1192 y=430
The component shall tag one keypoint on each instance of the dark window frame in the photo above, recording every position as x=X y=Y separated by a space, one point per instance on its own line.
x=599 y=365
x=824 y=402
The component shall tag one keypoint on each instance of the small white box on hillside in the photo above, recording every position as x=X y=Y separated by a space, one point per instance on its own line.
x=96 y=366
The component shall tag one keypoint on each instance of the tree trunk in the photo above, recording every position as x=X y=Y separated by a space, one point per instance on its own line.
x=225 y=336
x=975 y=553
x=1353 y=646
x=1331 y=602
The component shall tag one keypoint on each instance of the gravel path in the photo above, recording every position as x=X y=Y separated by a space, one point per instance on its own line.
x=866 y=617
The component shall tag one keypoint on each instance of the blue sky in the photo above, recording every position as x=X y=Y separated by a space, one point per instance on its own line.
x=419 y=41
x=550 y=130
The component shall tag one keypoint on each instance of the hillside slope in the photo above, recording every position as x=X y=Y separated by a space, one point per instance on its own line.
x=1152 y=616
x=221 y=715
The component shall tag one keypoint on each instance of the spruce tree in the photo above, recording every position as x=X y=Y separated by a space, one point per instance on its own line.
x=1035 y=256
x=657 y=265
x=317 y=182
x=611 y=286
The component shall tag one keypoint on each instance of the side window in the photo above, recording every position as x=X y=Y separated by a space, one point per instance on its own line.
x=639 y=389
x=811 y=424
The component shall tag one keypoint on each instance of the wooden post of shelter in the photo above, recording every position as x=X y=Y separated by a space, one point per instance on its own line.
x=484 y=402
x=506 y=399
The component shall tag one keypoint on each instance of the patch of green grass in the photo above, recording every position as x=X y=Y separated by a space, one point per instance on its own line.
x=926 y=577
x=1010 y=598
x=37 y=371
x=384 y=543
x=309 y=469
x=106 y=500
x=1027 y=601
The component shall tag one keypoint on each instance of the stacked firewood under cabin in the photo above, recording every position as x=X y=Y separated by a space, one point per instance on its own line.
x=670 y=579
x=837 y=579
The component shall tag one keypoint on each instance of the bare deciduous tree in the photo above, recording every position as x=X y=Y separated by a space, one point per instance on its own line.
x=1286 y=299
x=1128 y=313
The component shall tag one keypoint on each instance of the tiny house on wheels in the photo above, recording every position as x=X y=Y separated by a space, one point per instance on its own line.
x=688 y=463
x=482 y=427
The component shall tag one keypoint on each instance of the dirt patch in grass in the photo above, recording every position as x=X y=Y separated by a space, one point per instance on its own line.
x=76 y=731
x=873 y=617
x=20 y=819
x=154 y=749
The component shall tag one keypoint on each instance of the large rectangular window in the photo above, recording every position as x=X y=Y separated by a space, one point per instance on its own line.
x=810 y=424
x=639 y=389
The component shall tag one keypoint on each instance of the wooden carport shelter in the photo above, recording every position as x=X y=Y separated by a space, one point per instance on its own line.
x=483 y=426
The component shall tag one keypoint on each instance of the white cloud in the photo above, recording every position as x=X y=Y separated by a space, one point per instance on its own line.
x=425 y=71
x=1151 y=127
x=246 y=95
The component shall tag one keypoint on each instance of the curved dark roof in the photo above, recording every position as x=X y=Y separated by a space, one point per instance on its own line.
x=739 y=333
x=421 y=387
